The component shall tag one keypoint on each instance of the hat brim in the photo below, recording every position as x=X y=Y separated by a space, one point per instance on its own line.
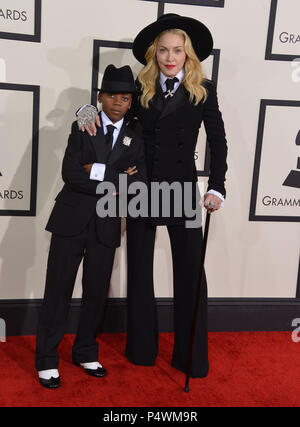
x=199 y=34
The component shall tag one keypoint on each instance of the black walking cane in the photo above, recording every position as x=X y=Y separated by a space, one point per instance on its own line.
x=193 y=334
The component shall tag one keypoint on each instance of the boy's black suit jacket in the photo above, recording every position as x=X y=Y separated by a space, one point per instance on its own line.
x=76 y=202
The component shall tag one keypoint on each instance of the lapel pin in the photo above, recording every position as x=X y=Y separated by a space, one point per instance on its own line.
x=127 y=141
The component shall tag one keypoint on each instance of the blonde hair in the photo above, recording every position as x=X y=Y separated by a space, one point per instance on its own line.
x=193 y=74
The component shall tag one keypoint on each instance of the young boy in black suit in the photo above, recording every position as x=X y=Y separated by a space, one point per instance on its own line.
x=78 y=233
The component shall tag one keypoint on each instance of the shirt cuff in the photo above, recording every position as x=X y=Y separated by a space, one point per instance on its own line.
x=98 y=171
x=216 y=193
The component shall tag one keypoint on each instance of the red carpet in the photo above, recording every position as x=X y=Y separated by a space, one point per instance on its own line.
x=246 y=369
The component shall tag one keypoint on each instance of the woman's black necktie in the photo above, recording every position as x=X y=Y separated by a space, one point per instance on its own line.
x=170 y=87
x=109 y=137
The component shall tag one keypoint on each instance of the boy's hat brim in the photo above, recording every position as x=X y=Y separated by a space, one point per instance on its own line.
x=199 y=34
x=117 y=80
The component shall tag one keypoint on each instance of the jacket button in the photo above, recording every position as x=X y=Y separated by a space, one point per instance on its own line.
x=179 y=162
x=156 y=145
x=157 y=129
x=155 y=160
x=180 y=145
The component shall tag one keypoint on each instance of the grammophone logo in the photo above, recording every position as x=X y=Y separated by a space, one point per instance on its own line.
x=275 y=192
x=293 y=178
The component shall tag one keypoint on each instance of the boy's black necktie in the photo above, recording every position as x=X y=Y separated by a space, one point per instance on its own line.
x=109 y=137
x=170 y=87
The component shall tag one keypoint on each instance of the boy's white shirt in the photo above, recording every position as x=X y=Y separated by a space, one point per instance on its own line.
x=98 y=169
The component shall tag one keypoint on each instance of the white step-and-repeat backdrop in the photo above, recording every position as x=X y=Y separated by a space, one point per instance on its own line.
x=52 y=53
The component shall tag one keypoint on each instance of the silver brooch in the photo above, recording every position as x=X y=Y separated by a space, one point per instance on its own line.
x=169 y=93
x=127 y=140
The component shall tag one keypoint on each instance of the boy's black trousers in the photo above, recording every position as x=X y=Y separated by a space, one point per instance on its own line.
x=64 y=259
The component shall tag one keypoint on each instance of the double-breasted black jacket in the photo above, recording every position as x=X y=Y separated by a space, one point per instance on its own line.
x=170 y=131
x=76 y=202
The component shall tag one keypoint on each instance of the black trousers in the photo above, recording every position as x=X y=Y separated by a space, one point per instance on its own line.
x=64 y=259
x=142 y=324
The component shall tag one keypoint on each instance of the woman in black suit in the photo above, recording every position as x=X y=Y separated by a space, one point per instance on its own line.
x=175 y=99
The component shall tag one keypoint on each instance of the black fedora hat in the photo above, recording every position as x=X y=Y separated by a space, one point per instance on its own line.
x=118 y=80
x=199 y=34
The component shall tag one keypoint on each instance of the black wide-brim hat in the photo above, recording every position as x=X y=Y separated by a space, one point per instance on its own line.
x=199 y=34
x=118 y=80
